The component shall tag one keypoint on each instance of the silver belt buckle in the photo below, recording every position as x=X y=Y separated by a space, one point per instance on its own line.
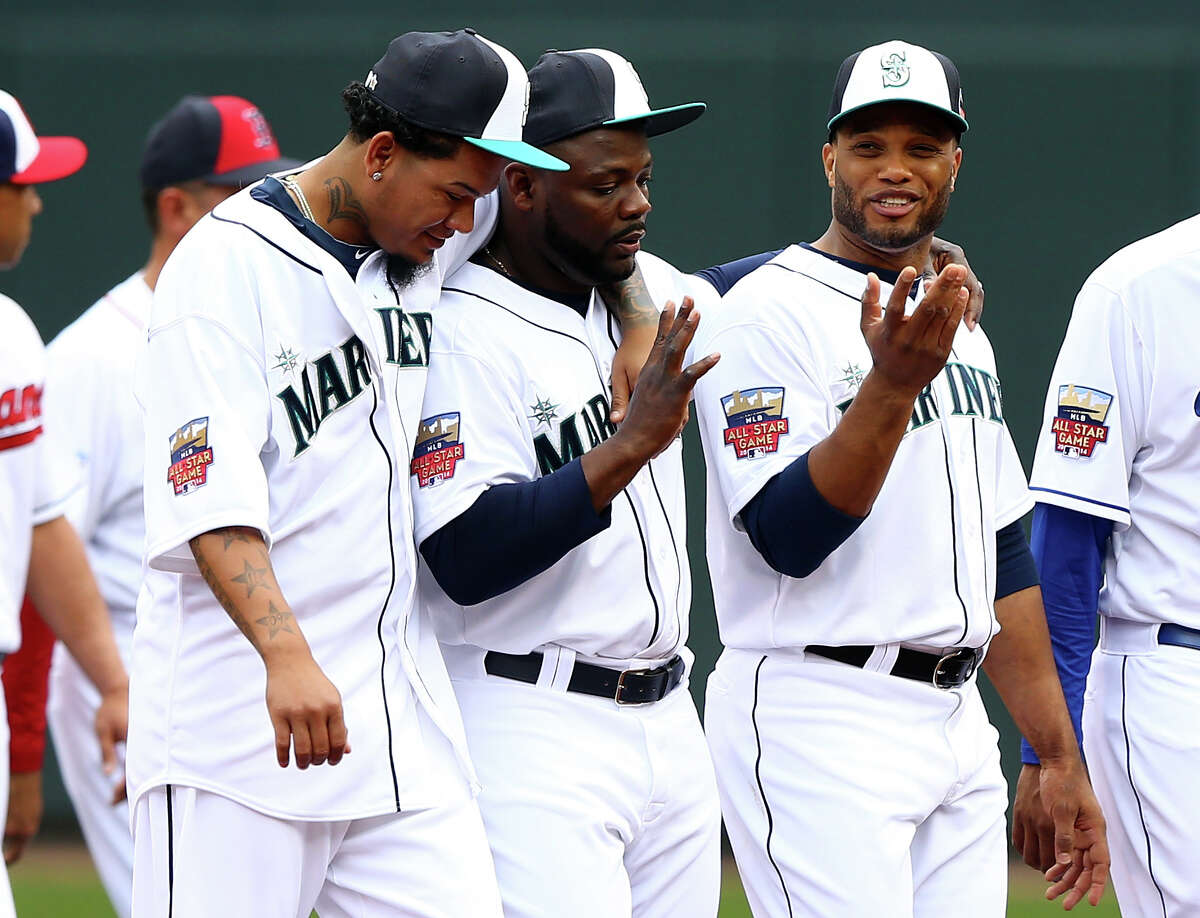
x=942 y=671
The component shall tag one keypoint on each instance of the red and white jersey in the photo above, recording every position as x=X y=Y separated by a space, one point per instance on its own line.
x=34 y=486
x=921 y=569
x=1120 y=435
x=98 y=429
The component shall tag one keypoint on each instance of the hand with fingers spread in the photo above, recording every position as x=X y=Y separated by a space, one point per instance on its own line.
x=657 y=410
x=909 y=351
x=943 y=253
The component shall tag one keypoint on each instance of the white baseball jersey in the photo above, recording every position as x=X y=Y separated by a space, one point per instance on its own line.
x=518 y=387
x=1120 y=438
x=270 y=402
x=792 y=358
x=34 y=484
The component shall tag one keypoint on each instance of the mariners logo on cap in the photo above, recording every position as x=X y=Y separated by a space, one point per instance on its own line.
x=438 y=450
x=756 y=421
x=895 y=68
x=1079 y=425
x=190 y=456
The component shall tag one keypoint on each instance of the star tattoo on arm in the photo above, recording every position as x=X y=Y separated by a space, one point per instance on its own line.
x=275 y=621
x=252 y=578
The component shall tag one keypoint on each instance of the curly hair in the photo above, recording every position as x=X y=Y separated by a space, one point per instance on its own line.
x=369 y=116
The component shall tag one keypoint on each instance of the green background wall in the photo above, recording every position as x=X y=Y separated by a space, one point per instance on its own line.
x=1085 y=136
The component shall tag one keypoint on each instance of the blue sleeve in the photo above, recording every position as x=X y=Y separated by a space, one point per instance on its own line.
x=1069 y=549
x=723 y=277
x=512 y=533
x=1015 y=568
x=792 y=525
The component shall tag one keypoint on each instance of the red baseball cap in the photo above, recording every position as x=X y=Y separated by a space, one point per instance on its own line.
x=222 y=140
x=25 y=158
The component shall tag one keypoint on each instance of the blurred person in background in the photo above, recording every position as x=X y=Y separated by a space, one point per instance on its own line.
x=39 y=550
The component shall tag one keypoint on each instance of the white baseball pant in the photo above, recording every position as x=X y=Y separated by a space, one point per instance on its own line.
x=198 y=855
x=856 y=793
x=1143 y=755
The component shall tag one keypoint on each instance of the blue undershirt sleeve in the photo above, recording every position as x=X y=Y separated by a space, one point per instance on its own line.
x=792 y=525
x=1015 y=568
x=1069 y=548
x=723 y=277
x=512 y=533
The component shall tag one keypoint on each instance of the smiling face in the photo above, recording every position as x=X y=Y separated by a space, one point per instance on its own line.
x=593 y=217
x=892 y=169
x=420 y=201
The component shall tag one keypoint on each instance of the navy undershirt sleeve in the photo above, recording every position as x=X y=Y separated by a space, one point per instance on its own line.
x=512 y=533
x=1015 y=568
x=723 y=277
x=792 y=525
x=1069 y=548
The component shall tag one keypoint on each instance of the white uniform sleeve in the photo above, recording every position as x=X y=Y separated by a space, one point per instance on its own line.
x=56 y=479
x=1091 y=427
x=203 y=390
x=459 y=248
x=473 y=435
x=77 y=392
x=1013 y=499
x=759 y=408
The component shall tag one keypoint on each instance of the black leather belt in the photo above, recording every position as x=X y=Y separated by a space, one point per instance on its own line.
x=1179 y=636
x=632 y=686
x=944 y=671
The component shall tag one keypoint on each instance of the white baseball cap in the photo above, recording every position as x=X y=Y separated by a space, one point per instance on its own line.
x=25 y=158
x=897 y=71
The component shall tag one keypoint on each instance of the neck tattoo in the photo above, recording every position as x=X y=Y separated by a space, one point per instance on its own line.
x=301 y=201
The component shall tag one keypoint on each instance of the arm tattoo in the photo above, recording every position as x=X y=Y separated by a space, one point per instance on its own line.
x=343 y=205
x=233 y=535
x=276 y=621
x=631 y=301
x=252 y=578
x=226 y=601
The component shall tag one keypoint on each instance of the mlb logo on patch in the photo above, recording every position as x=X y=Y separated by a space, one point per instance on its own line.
x=190 y=456
x=1079 y=424
x=755 y=421
x=437 y=451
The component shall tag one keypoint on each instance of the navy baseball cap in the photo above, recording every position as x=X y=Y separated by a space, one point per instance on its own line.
x=27 y=159
x=461 y=84
x=577 y=91
x=221 y=140
x=897 y=71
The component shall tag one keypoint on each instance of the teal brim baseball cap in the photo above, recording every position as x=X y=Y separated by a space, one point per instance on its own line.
x=461 y=84
x=576 y=91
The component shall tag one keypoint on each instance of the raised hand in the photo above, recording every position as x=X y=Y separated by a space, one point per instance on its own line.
x=909 y=351
x=657 y=410
x=943 y=253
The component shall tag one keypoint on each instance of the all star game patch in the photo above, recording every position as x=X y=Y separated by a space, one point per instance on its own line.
x=190 y=456
x=438 y=450
x=1079 y=424
x=755 y=421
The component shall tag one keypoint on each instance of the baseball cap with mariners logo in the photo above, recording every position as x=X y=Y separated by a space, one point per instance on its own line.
x=25 y=158
x=461 y=84
x=897 y=71
x=577 y=91
x=221 y=140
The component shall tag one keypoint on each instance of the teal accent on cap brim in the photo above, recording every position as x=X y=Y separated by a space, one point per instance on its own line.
x=937 y=108
x=661 y=120
x=522 y=152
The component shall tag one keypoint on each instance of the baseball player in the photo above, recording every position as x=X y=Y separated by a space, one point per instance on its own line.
x=858 y=772
x=278 y=522
x=198 y=154
x=556 y=540
x=1115 y=531
x=39 y=551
